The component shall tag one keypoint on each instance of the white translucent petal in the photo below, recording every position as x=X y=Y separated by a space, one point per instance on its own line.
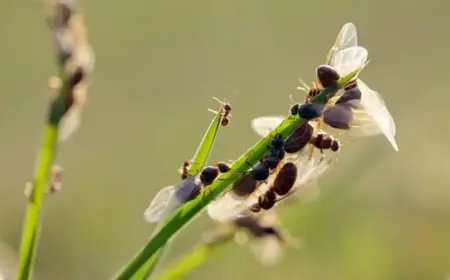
x=267 y=250
x=162 y=203
x=349 y=59
x=69 y=123
x=346 y=38
x=375 y=107
x=264 y=125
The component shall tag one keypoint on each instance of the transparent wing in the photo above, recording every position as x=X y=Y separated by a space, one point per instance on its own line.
x=170 y=198
x=161 y=204
x=267 y=250
x=374 y=106
x=346 y=38
x=264 y=125
x=309 y=170
x=349 y=59
x=69 y=123
x=228 y=206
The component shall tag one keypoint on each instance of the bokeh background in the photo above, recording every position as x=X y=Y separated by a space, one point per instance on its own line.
x=380 y=215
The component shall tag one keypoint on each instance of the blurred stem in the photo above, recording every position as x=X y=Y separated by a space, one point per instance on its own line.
x=47 y=152
x=199 y=254
x=190 y=210
x=31 y=228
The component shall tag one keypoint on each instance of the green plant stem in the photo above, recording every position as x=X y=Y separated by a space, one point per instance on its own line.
x=47 y=153
x=198 y=255
x=32 y=220
x=189 y=261
x=198 y=162
x=185 y=214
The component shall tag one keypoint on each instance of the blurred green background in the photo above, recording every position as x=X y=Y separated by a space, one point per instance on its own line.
x=380 y=215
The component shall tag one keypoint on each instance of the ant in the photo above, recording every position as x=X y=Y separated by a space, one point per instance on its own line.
x=282 y=184
x=226 y=109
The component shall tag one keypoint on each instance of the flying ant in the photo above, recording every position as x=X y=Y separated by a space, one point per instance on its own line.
x=249 y=182
x=282 y=184
x=237 y=198
x=304 y=135
x=171 y=197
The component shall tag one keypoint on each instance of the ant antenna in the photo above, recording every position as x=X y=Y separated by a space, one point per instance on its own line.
x=304 y=86
x=291 y=98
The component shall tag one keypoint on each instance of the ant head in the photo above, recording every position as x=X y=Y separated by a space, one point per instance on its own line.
x=260 y=172
x=335 y=145
x=271 y=162
x=310 y=111
x=227 y=107
x=208 y=175
x=277 y=141
x=294 y=109
x=223 y=167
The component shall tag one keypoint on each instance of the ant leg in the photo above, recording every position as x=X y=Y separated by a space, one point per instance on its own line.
x=311 y=152
x=28 y=191
x=213 y=111
x=220 y=101
x=336 y=133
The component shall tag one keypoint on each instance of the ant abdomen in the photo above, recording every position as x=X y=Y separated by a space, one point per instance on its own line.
x=327 y=75
x=285 y=179
x=267 y=200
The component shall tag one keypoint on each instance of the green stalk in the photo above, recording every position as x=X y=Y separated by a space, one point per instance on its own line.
x=193 y=259
x=190 y=210
x=47 y=152
x=198 y=162
x=190 y=261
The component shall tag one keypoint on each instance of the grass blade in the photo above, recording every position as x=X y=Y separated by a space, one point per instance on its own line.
x=204 y=149
x=198 y=162
x=186 y=213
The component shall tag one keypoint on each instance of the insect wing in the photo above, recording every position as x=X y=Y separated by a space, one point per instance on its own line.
x=346 y=38
x=225 y=208
x=162 y=202
x=264 y=125
x=168 y=199
x=349 y=59
x=374 y=106
x=309 y=170
x=69 y=123
x=268 y=250
x=228 y=206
